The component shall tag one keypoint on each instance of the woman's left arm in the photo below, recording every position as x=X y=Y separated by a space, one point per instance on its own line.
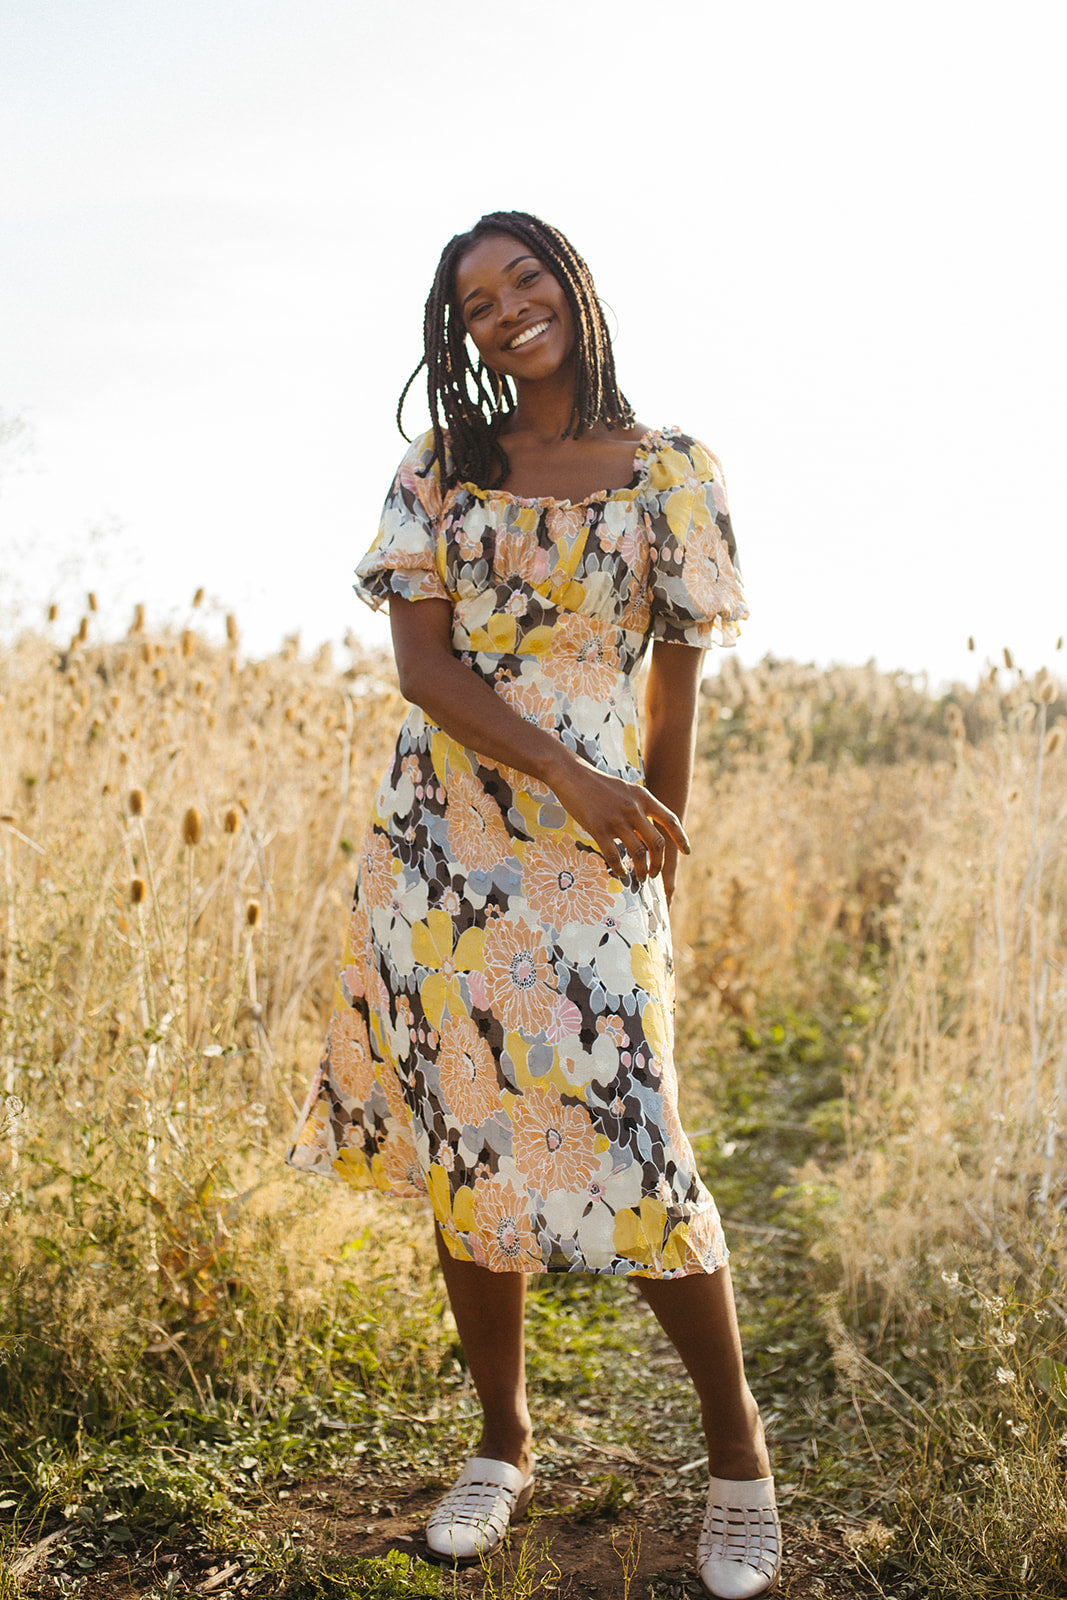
x=671 y=697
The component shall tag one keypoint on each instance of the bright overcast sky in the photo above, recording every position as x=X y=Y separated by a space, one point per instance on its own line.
x=832 y=235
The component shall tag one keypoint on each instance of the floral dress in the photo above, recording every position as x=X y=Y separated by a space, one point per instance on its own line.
x=502 y=1036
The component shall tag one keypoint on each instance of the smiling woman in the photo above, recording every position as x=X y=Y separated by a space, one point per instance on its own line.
x=502 y=1039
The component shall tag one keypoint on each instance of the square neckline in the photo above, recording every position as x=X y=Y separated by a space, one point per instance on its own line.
x=642 y=450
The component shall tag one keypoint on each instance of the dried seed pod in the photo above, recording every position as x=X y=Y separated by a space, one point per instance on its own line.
x=191 y=826
x=1049 y=692
x=188 y=642
x=252 y=913
x=83 y=630
x=1054 y=739
x=138 y=890
x=53 y=612
x=137 y=625
x=198 y=598
x=970 y=641
x=232 y=820
x=231 y=627
x=91 y=601
x=136 y=802
x=1009 y=659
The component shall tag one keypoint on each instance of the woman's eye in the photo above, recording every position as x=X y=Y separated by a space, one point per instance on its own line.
x=529 y=277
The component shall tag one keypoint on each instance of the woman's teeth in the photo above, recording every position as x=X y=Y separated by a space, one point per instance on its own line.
x=526 y=335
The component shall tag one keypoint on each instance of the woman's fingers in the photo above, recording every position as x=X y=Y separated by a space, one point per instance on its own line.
x=644 y=840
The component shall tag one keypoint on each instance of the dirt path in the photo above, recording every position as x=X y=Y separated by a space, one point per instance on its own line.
x=564 y=1548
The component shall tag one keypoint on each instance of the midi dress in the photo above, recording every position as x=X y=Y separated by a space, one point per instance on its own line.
x=502 y=1033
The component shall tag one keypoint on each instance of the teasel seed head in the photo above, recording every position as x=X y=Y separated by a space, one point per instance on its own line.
x=136 y=802
x=137 y=625
x=53 y=612
x=188 y=643
x=1009 y=659
x=146 y=653
x=231 y=627
x=252 y=913
x=159 y=676
x=83 y=630
x=198 y=598
x=90 y=601
x=191 y=826
x=970 y=641
x=138 y=890
x=1049 y=691
x=1054 y=739
x=232 y=820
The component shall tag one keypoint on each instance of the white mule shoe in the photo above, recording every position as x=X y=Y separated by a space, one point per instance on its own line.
x=739 y=1554
x=472 y=1518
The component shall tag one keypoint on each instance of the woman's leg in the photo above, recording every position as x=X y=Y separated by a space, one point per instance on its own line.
x=697 y=1315
x=488 y=1308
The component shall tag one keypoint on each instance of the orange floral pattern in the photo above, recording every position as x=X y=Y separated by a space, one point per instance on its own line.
x=502 y=1035
x=564 y=883
x=476 y=831
x=469 y=1081
x=552 y=1143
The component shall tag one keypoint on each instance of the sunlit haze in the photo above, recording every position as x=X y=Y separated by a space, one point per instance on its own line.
x=831 y=237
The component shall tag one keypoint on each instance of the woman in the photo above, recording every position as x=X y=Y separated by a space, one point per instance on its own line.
x=502 y=1037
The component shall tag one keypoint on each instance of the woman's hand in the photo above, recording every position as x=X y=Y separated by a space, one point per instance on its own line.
x=622 y=819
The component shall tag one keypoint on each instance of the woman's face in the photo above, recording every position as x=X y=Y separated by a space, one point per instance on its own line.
x=514 y=310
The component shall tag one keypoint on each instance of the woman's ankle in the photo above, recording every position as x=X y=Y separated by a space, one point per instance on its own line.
x=738 y=1452
x=511 y=1442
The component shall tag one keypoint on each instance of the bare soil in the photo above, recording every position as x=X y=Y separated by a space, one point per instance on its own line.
x=563 y=1548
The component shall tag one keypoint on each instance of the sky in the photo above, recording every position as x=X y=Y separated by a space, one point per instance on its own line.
x=832 y=238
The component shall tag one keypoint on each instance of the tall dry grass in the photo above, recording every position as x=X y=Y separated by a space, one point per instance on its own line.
x=176 y=843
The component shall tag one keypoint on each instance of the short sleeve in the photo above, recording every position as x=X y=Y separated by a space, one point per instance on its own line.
x=695 y=586
x=408 y=556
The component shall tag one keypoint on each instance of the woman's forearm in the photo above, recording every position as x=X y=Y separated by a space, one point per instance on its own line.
x=671 y=700
x=623 y=819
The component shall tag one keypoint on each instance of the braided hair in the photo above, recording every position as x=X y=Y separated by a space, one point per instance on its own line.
x=471 y=403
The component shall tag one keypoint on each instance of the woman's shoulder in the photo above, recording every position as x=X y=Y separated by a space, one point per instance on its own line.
x=675 y=458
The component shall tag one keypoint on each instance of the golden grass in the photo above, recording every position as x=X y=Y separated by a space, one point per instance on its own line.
x=176 y=859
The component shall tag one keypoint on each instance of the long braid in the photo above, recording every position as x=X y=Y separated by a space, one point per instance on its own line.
x=471 y=403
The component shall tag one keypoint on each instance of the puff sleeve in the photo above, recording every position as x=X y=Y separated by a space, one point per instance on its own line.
x=407 y=557
x=695 y=587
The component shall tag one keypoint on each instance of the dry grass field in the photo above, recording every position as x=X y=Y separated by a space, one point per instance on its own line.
x=877 y=895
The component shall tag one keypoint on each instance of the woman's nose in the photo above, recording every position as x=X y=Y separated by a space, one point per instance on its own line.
x=512 y=304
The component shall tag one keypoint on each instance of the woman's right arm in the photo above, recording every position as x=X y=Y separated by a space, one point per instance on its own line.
x=609 y=809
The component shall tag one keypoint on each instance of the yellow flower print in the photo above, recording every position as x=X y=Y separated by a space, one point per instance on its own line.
x=668 y=468
x=431 y=944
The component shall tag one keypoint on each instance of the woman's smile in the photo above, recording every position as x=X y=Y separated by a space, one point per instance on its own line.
x=527 y=335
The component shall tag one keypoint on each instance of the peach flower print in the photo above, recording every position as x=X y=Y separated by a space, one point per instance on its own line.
x=582 y=658
x=517 y=555
x=564 y=523
x=348 y=1047
x=552 y=1144
x=565 y=884
x=534 y=708
x=476 y=832
x=468 y=1073
x=518 y=979
x=377 y=878
x=708 y=574
x=400 y=1163
x=502 y=1217
x=354 y=972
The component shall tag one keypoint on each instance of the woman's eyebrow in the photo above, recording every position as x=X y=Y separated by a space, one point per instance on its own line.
x=506 y=269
